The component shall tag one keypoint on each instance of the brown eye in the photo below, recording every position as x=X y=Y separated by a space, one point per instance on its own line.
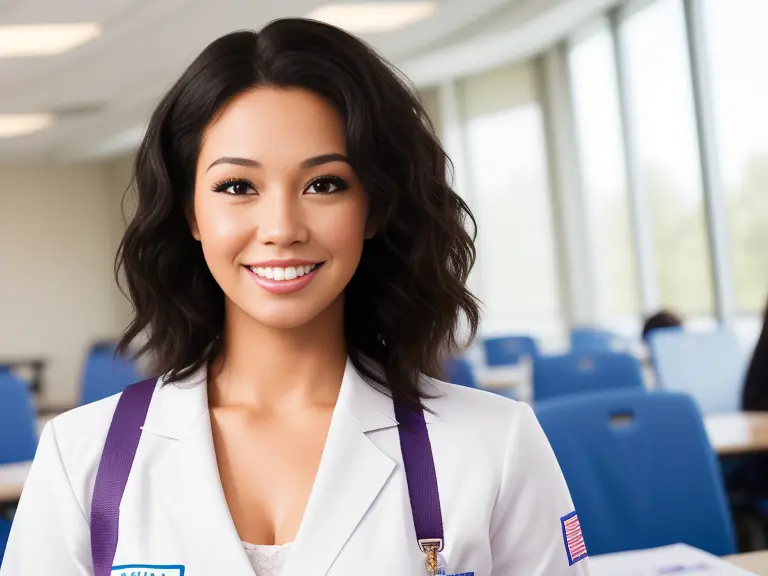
x=327 y=185
x=234 y=187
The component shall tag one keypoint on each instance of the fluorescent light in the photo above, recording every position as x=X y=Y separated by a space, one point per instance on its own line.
x=22 y=124
x=44 y=39
x=373 y=17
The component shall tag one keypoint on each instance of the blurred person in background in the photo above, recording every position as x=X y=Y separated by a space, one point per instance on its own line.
x=299 y=261
x=661 y=319
x=755 y=394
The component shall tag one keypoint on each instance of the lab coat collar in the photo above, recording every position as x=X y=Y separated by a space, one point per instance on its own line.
x=178 y=405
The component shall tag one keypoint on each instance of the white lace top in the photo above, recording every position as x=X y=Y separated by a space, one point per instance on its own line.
x=267 y=560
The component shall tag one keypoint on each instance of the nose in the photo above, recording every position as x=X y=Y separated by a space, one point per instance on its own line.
x=281 y=218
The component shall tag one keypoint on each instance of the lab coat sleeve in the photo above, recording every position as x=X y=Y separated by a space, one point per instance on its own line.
x=49 y=533
x=526 y=526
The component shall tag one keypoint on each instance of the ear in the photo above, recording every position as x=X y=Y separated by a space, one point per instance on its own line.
x=371 y=227
x=192 y=222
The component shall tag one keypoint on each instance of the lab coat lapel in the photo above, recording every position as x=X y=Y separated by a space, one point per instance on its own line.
x=188 y=479
x=352 y=472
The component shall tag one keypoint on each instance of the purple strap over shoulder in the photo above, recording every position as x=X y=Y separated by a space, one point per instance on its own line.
x=421 y=476
x=123 y=440
x=114 y=468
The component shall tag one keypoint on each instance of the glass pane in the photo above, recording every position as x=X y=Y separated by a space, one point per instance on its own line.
x=663 y=119
x=737 y=48
x=598 y=128
x=430 y=99
x=506 y=159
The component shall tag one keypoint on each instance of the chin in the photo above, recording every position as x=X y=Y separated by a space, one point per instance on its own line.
x=285 y=315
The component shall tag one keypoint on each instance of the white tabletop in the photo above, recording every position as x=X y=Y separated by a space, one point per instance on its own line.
x=738 y=433
x=756 y=562
x=12 y=477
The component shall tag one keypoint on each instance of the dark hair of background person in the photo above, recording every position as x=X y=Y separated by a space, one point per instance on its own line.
x=403 y=306
x=662 y=319
x=755 y=394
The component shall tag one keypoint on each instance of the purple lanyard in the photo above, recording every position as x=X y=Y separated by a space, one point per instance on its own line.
x=123 y=440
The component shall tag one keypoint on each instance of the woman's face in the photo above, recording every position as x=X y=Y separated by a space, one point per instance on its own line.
x=279 y=212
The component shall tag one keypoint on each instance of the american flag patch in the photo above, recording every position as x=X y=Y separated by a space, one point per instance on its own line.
x=573 y=538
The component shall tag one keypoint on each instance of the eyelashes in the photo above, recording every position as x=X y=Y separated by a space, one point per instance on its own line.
x=238 y=186
x=321 y=185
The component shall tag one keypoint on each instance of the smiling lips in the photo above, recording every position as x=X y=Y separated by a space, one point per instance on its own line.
x=283 y=277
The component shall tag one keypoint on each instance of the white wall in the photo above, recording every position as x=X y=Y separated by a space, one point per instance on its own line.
x=59 y=228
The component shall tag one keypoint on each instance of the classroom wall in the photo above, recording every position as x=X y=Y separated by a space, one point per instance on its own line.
x=59 y=228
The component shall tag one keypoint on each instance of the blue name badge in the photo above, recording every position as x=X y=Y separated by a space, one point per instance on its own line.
x=148 y=570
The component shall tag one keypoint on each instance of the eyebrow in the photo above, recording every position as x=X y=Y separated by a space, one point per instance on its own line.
x=308 y=163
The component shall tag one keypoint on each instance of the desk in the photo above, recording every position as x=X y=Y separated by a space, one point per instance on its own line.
x=12 y=477
x=756 y=562
x=517 y=376
x=35 y=367
x=738 y=433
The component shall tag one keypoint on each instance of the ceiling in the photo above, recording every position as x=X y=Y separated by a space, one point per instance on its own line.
x=103 y=91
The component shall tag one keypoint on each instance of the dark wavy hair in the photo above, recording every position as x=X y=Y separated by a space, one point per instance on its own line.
x=405 y=303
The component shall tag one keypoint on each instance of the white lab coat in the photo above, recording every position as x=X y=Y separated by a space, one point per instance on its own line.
x=501 y=491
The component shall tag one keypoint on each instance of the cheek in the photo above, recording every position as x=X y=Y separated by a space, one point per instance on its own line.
x=343 y=232
x=222 y=233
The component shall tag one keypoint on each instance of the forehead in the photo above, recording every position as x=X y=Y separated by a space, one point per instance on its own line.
x=278 y=124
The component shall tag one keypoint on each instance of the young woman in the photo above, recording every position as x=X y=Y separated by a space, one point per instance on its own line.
x=298 y=262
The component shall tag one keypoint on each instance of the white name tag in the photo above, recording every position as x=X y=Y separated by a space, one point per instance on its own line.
x=148 y=570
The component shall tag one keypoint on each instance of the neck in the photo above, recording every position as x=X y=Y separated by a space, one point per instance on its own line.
x=272 y=369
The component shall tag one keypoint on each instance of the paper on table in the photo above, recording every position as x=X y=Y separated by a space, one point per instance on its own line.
x=675 y=560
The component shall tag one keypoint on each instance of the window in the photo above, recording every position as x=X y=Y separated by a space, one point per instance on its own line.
x=662 y=116
x=737 y=44
x=507 y=174
x=431 y=101
x=598 y=131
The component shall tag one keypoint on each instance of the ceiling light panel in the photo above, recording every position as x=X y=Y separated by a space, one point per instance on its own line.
x=373 y=17
x=12 y=125
x=26 y=40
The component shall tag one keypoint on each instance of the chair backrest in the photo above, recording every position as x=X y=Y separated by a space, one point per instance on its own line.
x=507 y=350
x=105 y=374
x=579 y=373
x=640 y=470
x=709 y=366
x=5 y=530
x=18 y=420
x=459 y=371
x=585 y=339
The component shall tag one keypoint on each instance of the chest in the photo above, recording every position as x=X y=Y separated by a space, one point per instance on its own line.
x=267 y=466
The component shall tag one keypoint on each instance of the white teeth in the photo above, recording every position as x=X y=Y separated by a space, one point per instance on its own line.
x=281 y=274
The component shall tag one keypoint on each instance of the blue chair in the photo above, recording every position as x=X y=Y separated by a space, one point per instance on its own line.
x=579 y=373
x=106 y=374
x=5 y=530
x=459 y=371
x=640 y=470
x=508 y=350
x=18 y=420
x=584 y=339
x=709 y=366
